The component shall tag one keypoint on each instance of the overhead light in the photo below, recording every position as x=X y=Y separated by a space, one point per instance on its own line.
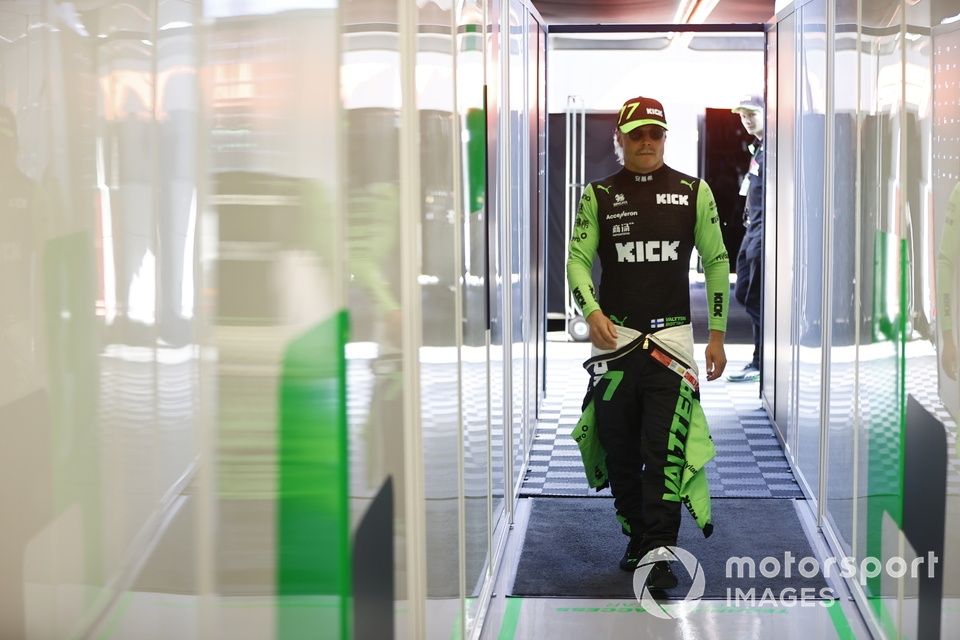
x=684 y=9
x=691 y=12
x=694 y=11
x=702 y=11
x=176 y=24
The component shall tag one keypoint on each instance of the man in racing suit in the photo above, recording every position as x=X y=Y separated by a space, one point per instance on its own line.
x=643 y=222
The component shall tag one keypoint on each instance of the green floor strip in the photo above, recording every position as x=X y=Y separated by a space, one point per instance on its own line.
x=840 y=622
x=508 y=628
x=457 y=633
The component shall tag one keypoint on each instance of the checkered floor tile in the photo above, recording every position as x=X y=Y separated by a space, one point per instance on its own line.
x=921 y=383
x=879 y=418
x=749 y=462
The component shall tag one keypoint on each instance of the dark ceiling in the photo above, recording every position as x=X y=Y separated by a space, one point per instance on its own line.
x=647 y=11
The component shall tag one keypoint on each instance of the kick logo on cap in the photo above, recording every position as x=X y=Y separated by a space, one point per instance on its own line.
x=640 y=111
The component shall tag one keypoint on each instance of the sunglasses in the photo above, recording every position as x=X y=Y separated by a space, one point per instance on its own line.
x=652 y=132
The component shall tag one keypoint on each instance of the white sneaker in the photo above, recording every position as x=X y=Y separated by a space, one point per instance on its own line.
x=749 y=373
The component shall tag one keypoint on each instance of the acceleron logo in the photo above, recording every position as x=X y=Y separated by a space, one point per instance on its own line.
x=678 y=608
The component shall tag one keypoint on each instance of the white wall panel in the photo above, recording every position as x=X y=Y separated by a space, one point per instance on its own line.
x=226 y=254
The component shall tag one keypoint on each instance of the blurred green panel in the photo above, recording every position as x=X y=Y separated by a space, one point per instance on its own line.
x=313 y=555
x=476 y=120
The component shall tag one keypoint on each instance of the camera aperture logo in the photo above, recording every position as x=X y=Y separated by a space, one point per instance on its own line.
x=642 y=590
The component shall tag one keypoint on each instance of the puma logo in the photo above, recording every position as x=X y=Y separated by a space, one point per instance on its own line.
x=606 y=189
x=618 y=320
x=689 y=183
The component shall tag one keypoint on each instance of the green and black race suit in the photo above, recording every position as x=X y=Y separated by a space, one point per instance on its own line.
x=644 y=227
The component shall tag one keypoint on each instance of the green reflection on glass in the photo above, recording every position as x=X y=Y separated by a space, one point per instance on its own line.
x=885 y=429
x=476 y=122
x=313 y=555
x=74 y=391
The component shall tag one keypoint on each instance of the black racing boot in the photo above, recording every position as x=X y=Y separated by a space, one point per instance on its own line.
x=632 y=554
x=661 y=576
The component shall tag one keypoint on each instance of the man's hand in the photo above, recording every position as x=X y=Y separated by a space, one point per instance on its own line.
x=715 y=355
x=603 y=333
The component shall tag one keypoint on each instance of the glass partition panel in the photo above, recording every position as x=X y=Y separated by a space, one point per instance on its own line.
x=945 y=198
x=844 y=277
x=921 y=516
x=946 y=205
x=439 y=356
x=771 y=229
x=177 y=117
x=533 y=321
x=518 y=221
x=475 y=395
x=809 y=271
x=79 y=317
x=26 y=398
x=370 y=84
x=945 y=186
x=881 y=253
x=497 y=278
x=539 y=195
x=274 y=273
x=180 y=316
x=785 y=190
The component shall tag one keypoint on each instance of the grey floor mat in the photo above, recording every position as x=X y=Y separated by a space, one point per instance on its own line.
x=572 y=547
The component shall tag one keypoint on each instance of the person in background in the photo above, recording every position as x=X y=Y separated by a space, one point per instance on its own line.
x=750 y=259
x=643 y=222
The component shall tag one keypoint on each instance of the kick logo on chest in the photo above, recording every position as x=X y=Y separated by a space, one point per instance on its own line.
x=673 y=198
x=648 y=251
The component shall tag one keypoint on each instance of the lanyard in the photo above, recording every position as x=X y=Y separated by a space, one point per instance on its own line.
x=670 y=363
